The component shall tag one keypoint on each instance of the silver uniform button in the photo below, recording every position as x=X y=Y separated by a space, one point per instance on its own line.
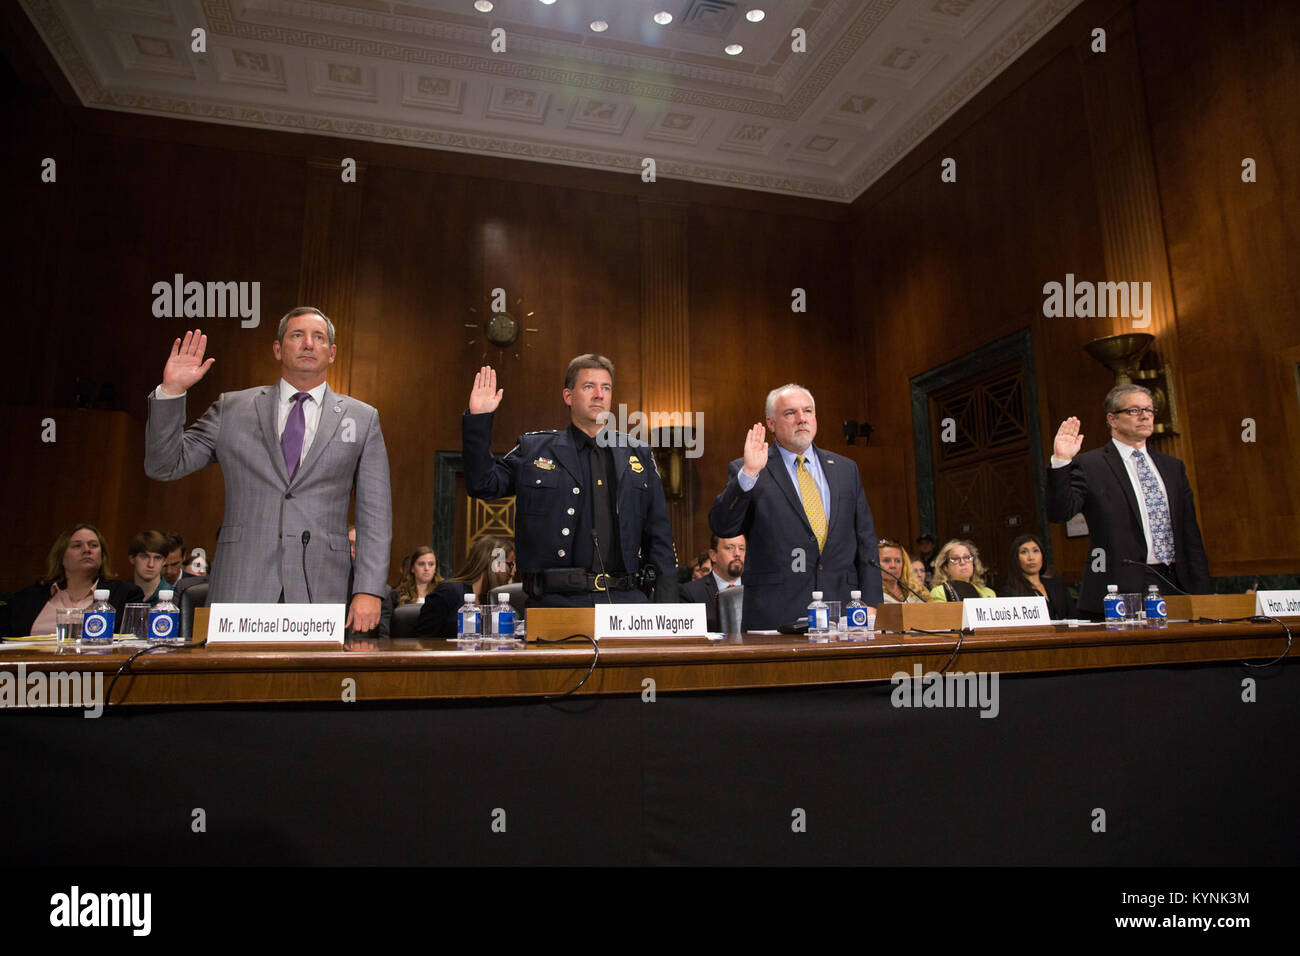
x=577 y=491
x=539 y=481
x=560 y=552
x=565 y=531
x=570 y=511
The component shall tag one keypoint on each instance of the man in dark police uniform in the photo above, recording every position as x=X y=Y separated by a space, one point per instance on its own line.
x=591 y=522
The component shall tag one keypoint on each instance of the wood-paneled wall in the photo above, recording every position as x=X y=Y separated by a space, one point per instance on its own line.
x=941 y=268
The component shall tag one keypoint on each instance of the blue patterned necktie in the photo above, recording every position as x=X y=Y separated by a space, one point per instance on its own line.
x=1162 y=534
x=295 y=429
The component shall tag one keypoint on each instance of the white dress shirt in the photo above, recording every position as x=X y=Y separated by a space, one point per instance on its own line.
x=723 y=583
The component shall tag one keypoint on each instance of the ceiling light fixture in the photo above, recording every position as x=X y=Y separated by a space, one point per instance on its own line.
x=546 y=2
x=483 y=6
x=599 y=26
x=663 y=18
x=753 y=16
x=734 y=49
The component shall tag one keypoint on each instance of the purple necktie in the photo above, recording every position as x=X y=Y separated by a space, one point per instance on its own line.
x=294 y=430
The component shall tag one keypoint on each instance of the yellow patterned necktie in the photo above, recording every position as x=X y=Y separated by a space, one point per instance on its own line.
x=812 y=502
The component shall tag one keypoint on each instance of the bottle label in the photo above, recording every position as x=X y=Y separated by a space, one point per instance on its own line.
x=1155 y=607
x=818 y=618
x=858 y=617
x=504 y=623
x=98 y=626
x=467 y=622
x=164 y=625
x=1115 y=607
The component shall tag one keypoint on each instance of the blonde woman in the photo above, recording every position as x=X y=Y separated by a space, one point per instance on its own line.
x=895 y=561
x=959 y=573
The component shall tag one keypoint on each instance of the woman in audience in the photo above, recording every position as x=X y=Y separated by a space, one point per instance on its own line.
x=486 y=566
x=77 y=564
x=959 y=573
x=894 y=560
x=922 y=572
x=1029 y=577
x=420 y=579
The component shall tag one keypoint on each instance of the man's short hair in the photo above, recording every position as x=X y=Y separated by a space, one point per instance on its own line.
x=1114 y=396
x=590 y=360
x=150 y=542
x=769 y=407
x=303 y=310
x=174 y=542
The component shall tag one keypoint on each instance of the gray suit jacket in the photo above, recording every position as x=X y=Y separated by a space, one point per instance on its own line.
x=259 y=548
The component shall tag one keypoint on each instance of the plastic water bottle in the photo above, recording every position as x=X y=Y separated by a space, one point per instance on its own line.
x=467 y=618
x=858 y=616
x=819 y=616
x=165 y=620
x=503 y=619
x=1157 y=616
x=97 y=624
x=1114 y=607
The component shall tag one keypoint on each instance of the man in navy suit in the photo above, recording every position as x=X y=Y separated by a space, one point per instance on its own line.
x=727 y=559
x=804 y=516
x=1137 y=502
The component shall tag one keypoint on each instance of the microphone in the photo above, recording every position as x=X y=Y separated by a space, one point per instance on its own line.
x=595 y=540
x=306 y=536
x=876 y=564
x=1141 y=564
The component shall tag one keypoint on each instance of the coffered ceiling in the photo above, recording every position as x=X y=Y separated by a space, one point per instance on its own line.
x=875 y=77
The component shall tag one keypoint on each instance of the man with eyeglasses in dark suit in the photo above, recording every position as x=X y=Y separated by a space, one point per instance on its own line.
x=1137 y=502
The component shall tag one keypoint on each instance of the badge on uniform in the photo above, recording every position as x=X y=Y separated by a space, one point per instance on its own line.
x=636 y=465
x=544 y=463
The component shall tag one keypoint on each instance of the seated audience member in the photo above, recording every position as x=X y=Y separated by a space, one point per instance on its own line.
x=421 y=578
x=896 y=563
x=959 y=573
x=727 y=561
x=173 y=568
x=77 y=564
x=148 y=551
x=1028 y=577
x=921 y=572
x=702 y=566
x=925 y=554
x=197 y=565
x=486 y=567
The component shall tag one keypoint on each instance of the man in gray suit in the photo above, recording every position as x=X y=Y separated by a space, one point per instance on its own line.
x=290 y=454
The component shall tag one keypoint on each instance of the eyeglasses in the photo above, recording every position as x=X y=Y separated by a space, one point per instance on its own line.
x=1136 y=411
x=963 y=560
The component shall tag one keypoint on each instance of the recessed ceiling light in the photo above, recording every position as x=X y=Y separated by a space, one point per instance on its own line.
x=663 y=18
x=599 y=26
x=734 y=49
x=483 y=6
x=753 y=16
x=547 y=2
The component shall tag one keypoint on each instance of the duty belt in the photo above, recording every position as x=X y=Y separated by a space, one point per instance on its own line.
x=576 y=581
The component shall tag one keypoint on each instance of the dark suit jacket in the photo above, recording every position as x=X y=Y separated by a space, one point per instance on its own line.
x=704 y=591
x=772 y=519
x=1096 y=483
x=17 y=618
x=438 y=614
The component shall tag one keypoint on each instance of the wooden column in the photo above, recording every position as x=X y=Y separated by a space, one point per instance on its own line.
x=327 y=278
x=665 y=342
x=1128 y=200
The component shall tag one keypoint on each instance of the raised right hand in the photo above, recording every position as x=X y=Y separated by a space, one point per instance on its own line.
x=1068 y=439
x=484 y=397
x=185 y=365
x=755 y=451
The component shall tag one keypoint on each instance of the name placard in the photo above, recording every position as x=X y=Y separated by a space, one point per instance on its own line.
x=979 y=613
x=1277 y=603
x=650 y=620
x=276 y=623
